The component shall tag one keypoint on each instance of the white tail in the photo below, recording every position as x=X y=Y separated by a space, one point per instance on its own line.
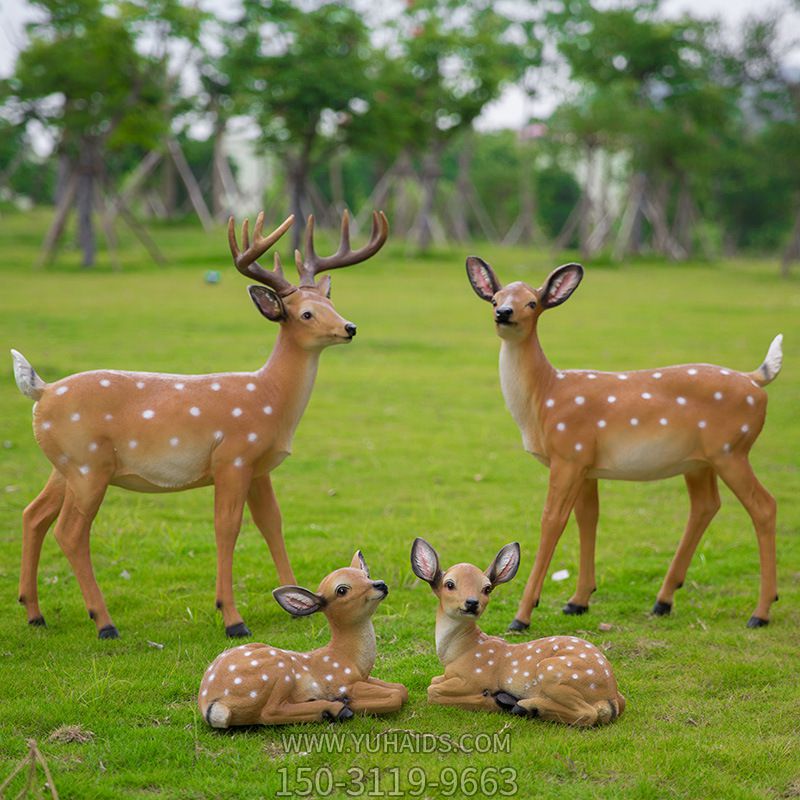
x=560 y=678
x=698 y=420
x=157 y=433
x=29 y=383
x=258 y=684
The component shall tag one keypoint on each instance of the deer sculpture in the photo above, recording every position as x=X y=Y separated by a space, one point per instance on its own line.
x=257 y=684
x=559 y=678
x=698 y=420
x=151 y=432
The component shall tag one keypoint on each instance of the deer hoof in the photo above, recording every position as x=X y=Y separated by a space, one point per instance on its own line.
x=108 y=632
x=662 y=609
x=344 y=715
x=518 y=626
x=505 y=701
x=237 y=631
x=757 y=622
x=37 y=622
x=574 y=609
x=521 y=711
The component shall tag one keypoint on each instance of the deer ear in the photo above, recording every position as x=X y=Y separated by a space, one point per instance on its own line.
x=324 y=285
x=425 y=562
x=359 y=563
x=560 y=284
x=482 y=278
x=267 y=302
x=299 y=602
x=505 y=564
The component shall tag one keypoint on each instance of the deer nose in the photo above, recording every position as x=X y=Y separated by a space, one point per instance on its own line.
x=503 y=313
x=381 y=587
x=351 y=329
x=471 y=605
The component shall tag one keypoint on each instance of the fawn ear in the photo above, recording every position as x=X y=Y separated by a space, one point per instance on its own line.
x=482 y=278
x=299 y=602
x=425 y=562
x=267 y=302
x=560 y=284
x=505 y=564
x=359 y=563
x=324 y=285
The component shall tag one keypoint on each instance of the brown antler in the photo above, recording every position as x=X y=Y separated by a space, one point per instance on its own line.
x=246 y=261
x=311 y=264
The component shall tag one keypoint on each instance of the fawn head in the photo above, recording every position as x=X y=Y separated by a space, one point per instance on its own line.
x=463 y=590
x=304 y=310
x=516 y=307
x=347 y=596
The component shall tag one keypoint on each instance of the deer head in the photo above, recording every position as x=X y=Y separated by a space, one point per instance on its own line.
x=303 y=310
x=518 y=306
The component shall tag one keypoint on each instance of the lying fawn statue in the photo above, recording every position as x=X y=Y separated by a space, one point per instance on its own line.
x=257 y=684
x=559 y=678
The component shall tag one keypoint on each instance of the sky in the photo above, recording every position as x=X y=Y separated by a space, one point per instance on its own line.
x=511 y=110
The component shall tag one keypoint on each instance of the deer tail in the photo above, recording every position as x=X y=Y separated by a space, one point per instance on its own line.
x=771 y=366
x=30 y=384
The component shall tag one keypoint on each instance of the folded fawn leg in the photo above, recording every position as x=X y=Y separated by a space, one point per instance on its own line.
x=456 y=692
x=311 y=711
x=370 y=697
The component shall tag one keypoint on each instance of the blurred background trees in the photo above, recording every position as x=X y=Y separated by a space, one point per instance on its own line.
x=668 y=136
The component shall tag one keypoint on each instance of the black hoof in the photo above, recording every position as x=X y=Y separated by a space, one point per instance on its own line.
x=517 y=625
x=574 y=609
x=237 y=631
x=345 y=714
x=108 y=632
x=662 y=609
x=519 y=711
x=757 y=622
x=37 y=622
x=505 y=701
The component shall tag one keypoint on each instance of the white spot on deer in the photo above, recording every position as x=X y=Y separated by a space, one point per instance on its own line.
x=561 y=426
x=226 y=692
x=478 y=670
x=288 y=678
x=140 y=384
x=664 y=421
x=253 y=693
x=194 y=411
x=281 y=664
x=237 y=412
x=329 y=678
x=657 y=375
x=634 y=421
x=211 y=677
x=326 y=659
x=180 y=386
x=347 y=670
x=549 y=667
x=108 y=417
x=84 y=470
x=148 y=413
x=591 y=376
x=592 y=685
x=336 y=665
x=204 y=693
x=745 y=428
x=232 y=667
x=218 y=435
x=555 y=647
x=718 y=395
x=478 y=654
x=750 y=400
x=267 y=409
x=251 y=387
x=237 y=681
x=62 y=390
x=265 y=677
x=560 y=376
x=251 y=437
x=726 y=447
x=681 y=401
x=238 y=461
x=622 y=376
x=541 y=676
x=550 y=402
x=646 y=396
x=75 y=417
x=578 y=446
x=105 y=382
x=574 y=676
x=133 y=444
x=724 y=372
x=46 y=426
x=253 y=663
x=691 y=371
x=215 y=387
x=509 y=680
x=601 y=423
x=590 y=672
x=612 y=399
x=702 y=424
x=580 y=400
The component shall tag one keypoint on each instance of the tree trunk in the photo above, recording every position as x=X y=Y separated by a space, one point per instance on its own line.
x=85 y=197
x=463 y=187
x=169 y=187
x=431 y=172
x=298 y=180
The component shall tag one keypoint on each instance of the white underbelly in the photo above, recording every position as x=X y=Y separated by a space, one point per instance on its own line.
x=644 y=459
x=171 y=470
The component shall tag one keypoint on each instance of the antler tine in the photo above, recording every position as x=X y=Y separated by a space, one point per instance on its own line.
x=311 y=264
x=245 y=260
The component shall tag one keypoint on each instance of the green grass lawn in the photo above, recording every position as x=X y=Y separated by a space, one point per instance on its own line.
x=406 y=435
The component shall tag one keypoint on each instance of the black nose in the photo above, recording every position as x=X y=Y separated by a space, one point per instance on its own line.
x=471 y=605
x=351 y=329
x=381 y=587
x=503 y=313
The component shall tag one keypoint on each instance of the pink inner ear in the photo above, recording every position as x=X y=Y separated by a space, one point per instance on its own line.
x=563 y=285
x=504 y=566
x=425 y=561
x=298 y=601
x=482 y=280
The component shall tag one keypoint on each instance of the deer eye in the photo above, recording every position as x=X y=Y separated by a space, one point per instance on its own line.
x=487 y=590
x=532 y=304
x=449 y=585
x=494 y=302
x=342 y=590
x=306 y=315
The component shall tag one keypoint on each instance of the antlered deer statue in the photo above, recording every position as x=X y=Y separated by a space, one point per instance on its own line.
x=698 y=420
x=259 y=684
x=559 y=678
x=152 y=432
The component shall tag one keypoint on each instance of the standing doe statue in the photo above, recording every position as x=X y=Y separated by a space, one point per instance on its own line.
x=257 y=684
x=152 y=432
x=698 y=420
x=560 y=678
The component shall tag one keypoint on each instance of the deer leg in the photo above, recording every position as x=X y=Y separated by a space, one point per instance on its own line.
x=760 y=504
x=310 y=711
x=567 y=709
x=455 y=691
x=230 y=490
x=587 y=511
x=367 y=697
x=72 y=533
x=704 y=504
x=566 y=480
x=267 y=517
x=36 y=521
x=391 y=685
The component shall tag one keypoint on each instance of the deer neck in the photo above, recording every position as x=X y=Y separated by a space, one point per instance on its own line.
x=525 y=377
x=454 y=637
x=288 y=377
x=355 y=641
